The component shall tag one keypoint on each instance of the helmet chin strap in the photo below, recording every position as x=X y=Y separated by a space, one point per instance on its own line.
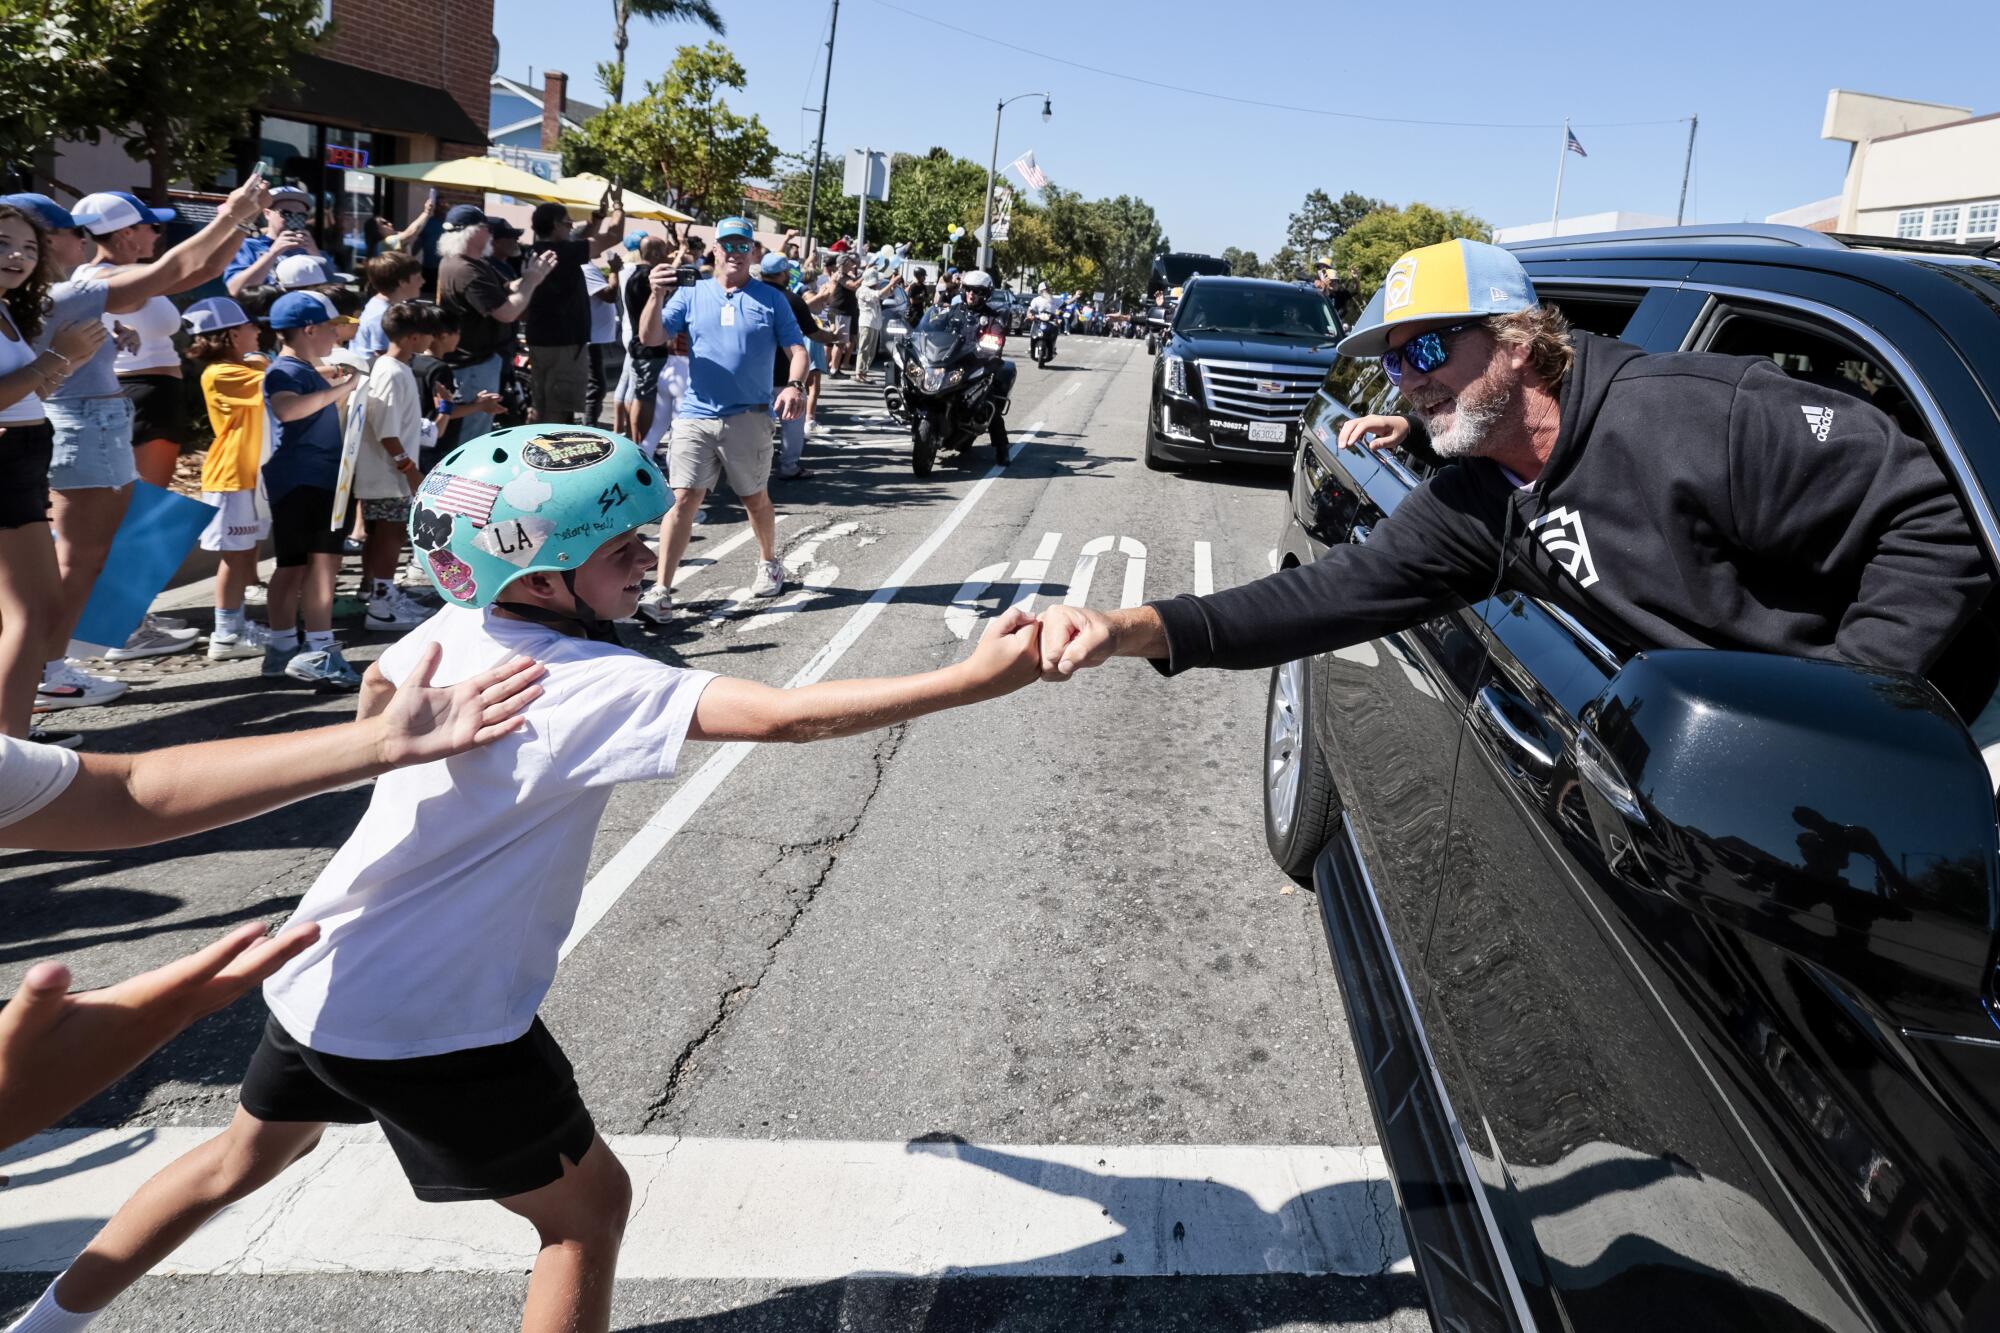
x=584 y=617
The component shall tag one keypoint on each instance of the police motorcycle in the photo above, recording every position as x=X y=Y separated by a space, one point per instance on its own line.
x=951 y=384
x=1158 y=317
x=1042 y=338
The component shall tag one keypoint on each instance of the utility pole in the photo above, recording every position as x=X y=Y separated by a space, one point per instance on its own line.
x=819 y=148
x=1687 y=169
x=867 y=184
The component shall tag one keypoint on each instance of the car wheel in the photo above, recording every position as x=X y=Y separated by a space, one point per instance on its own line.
x=1301 y=806
x=1154 y=461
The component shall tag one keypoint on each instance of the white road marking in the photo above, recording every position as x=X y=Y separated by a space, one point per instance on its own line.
x=963 y=613
x=1086 y=570
x=692 y=564
x=1271 y=558
x=1030 y=573
x=802 y=565
x=1204 y=570
x=618 y=874
x=805 y=1210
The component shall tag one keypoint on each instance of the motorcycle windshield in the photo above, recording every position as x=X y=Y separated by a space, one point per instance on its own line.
x=933 y=345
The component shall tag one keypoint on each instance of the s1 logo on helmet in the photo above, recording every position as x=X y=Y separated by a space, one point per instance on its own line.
x=565 y=450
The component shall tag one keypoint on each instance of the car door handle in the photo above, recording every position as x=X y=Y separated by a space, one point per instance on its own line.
x=1527 y=747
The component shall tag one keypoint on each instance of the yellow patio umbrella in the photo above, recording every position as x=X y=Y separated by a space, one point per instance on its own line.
x=485 y=175
x=587 y=189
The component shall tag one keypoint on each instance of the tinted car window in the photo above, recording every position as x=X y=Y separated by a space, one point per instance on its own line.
x=1816 y=356
x=1280 y=310
x=1605 y=313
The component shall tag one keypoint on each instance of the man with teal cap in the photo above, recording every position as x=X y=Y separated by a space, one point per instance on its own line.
x=1684 y=500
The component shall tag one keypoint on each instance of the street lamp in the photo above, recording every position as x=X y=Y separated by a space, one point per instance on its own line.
x=992 y=170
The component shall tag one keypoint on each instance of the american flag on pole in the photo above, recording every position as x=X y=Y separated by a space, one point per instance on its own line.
x=1573 y=146
x=460 y=495
x=1025 y=164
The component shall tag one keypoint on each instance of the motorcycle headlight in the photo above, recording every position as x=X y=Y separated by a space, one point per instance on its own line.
x=1173 y=375
x=933 y=378
x=954 y=377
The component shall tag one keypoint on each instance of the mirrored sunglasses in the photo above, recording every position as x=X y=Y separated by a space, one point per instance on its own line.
x=1424 y=353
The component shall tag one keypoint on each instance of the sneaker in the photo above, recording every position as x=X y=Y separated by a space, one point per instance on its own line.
x=811 y=426
x=252 y=642
x=348 y=546
x=658 y=604
x=66 y=685
x=151 y=641
x=172 y=624
x=62 y=740
x=254 y=595
x=421 y=610
x=389 y=613
x=276 y=659
x=770 y=579
x=325 y=670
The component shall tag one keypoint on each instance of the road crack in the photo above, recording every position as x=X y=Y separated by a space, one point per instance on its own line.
x=828 y=851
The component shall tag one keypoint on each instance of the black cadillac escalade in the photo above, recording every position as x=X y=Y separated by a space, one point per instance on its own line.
x=1672 y=975
x=1240 y=362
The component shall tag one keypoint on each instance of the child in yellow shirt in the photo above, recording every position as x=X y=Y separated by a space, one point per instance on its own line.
x=225 y=340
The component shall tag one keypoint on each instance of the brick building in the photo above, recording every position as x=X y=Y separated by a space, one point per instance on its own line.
x=395 y=81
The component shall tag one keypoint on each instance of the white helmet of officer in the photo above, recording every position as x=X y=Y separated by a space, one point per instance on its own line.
x=977 y=286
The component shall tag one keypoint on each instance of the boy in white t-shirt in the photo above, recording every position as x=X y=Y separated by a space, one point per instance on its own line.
x=385 y=467
x=442 y=917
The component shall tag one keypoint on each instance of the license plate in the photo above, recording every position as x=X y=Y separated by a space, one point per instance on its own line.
x=1267 y=432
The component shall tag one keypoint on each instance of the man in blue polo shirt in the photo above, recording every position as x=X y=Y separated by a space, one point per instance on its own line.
x=735 y=327
x=288 y=231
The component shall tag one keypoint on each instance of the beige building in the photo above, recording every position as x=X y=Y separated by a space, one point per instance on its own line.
x=1917 y=170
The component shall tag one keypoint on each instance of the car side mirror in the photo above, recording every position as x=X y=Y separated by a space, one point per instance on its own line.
x=1840 y=813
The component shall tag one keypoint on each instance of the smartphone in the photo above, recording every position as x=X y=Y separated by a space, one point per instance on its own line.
x=433 y=197
x=687 y=275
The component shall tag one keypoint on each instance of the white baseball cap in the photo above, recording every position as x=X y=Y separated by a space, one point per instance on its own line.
x=306 y=271
x=213 y=314
x=114 y=210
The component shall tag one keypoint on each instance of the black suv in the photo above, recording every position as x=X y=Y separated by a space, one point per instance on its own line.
x=1240 y=362
x=1671 y=976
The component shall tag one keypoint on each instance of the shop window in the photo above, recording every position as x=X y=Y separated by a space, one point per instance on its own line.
x=1982 y=219
x=1910 y=224
x=1944 y=224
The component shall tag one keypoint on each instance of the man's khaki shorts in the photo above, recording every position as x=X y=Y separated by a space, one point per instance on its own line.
x=704 y=448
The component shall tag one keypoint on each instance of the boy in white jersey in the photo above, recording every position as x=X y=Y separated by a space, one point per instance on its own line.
x=441 y=918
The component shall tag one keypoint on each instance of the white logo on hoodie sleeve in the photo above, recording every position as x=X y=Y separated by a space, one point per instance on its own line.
x=1562 y=537
x=1819 y=420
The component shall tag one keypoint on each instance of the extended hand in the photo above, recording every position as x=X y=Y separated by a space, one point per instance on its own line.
x=1389 y=432
x=539 y=267
x=790 y=404
x=57 y=1050
x=247 y=200
x=1008 y=655
x=423 y=723
x=79 y=341
x=1074 y=637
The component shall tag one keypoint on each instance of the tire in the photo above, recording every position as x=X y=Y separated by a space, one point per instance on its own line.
x=923 y=447
x=1301 y=805
x=1154 y=462
x=1152 y=345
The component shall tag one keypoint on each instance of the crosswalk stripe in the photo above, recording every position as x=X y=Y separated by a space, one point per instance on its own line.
x=805 y=1210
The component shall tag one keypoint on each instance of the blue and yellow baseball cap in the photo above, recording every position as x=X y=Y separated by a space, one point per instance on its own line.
x=1439 y=284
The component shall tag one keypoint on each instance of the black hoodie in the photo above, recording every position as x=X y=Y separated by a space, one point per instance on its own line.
x=1692 y=501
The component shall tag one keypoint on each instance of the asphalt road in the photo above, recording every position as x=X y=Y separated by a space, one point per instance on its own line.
x=1046 y=923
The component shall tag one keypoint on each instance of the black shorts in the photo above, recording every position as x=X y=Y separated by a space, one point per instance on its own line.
x=486 y=1123
x=646 y=377
x=302 y=525
x=159 y=407
x=24 y=473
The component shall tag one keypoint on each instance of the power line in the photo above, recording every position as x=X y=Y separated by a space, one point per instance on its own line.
x=1272 y=106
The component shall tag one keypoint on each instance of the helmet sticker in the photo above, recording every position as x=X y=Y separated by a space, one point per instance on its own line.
x=566 y=450
x=453 y=575
x=514 y=540
x=527 y=492
x=460 y=495
x=429 y=530
x=610 y=498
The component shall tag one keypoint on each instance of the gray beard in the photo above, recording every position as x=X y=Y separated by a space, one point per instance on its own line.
x=1471 y=425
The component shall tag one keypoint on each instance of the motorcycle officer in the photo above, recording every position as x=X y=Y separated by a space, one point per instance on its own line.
x=971 y=319
x=1044 y=306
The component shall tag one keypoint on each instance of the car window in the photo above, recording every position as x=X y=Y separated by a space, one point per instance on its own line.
x=1285 y=311
x=1817 y=355
x=1603 y=311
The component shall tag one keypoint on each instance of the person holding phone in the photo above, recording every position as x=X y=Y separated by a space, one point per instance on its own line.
x=557 y=323
x=287 y=231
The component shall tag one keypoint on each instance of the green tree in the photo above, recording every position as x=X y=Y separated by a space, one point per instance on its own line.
x=1132 y=237
x=56 y=72
x=1365 y=251
x=611 y=73
x=927 y=196
x=1287 y=264
x=836 y=213
x=1242 y=263
x=681 y=137
x=1321 y=218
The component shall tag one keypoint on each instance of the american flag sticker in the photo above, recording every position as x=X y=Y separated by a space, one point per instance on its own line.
x=458 y=495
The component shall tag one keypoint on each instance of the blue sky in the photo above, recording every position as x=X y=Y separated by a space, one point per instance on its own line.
x=1221 y=173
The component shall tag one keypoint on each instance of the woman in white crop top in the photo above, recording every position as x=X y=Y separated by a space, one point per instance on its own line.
x=150 y=372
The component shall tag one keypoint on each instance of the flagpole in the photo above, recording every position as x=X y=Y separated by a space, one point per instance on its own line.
x=1562 y=161
x=1687 y=169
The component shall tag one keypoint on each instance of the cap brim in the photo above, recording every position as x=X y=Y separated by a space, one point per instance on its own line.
x=1373 y=339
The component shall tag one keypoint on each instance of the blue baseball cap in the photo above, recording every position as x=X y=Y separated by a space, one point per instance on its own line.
x=301 y=310
x=213 y=314
x=632 y=239
x=735 y=227
x=462 y=216
x=52 y=215
x=1441 y=284
x=114 y=210
x=772 y=264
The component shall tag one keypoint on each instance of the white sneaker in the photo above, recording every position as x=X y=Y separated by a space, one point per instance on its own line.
x=151 y=641
x=392 y=613
x=657 y=605
x=229 y=647
x=66 y=685
x=770 y=579
x=254 y=595
x=811 y=426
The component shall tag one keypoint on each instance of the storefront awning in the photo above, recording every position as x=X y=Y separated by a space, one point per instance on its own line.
x=347 y=94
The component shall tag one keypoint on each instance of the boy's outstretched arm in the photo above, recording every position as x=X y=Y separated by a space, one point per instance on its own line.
x=1008 y=656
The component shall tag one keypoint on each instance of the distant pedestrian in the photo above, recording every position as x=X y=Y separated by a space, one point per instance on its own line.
x=601 y=290
x=870 y=320
x=776 y=270
x=920 y=297
x=558 y=320
x=232 y=385
x=392 y=278
x=385 y=470
x=486 y=303
x=287 y=231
